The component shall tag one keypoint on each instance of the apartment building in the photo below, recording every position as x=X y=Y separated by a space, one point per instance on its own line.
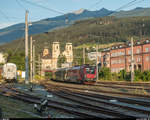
x=119 y=57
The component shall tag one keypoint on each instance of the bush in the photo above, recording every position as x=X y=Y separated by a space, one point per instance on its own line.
x=48 y=75
x=115 y=76
x=138 y=75
x=122 y=75
x=146 y=76
x=105 y=73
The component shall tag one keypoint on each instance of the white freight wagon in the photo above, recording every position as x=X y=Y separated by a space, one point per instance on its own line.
x=9 y=72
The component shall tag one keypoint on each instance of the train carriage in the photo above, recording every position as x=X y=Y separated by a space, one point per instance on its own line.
x=60 y=75
x=74 y=74
x=79 y=74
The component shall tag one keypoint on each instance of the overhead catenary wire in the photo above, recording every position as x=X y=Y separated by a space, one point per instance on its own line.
x=95 y=4
x=136 y=3
x=126 y=6
x=9 y=19
x=41 y=6
x=17 y=47
x=5 y=16
x=22 y=6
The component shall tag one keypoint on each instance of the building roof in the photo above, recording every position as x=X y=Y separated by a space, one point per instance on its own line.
x=68 y=43
x=137 y=43
x=55 y=42
x=47 y=57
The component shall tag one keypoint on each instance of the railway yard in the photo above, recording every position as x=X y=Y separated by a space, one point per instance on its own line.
x=68 y=100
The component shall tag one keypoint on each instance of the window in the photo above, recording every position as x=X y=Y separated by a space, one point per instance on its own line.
x=138 y=50
x=139 y=59
x=112 y=54
x=129 y=52
x=87 y=70
x=90 y=70
x=147 y=49
x=129 y=60
x=147 y=59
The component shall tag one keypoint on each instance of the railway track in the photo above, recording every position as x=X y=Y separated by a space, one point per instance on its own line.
x=52 y=104
x=78 y=87
x=72 y=109
x=120 y=85
x=146 y=84
x=97 y=110
x=92 y=107
x=80 y=109
x=64 y=92
x=123 y=86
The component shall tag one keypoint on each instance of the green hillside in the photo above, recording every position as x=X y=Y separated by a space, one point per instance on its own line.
x=135 y=12
x=93 y=31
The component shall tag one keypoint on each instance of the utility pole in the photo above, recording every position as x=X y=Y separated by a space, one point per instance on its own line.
x=132 y=61
x=143 y=25
x=97 y=62
x=83 y=54
x=31 y=61
x=26 y=49
x=40 y=66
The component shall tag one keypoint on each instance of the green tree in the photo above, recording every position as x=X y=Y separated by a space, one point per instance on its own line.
x=18 y=58
x=138 y=75
x=105 y=73
x=146 y=76
x=61 y=59
x=122 y=75
x=48 y=75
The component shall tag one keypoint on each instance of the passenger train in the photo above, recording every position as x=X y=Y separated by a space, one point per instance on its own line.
x=84 y=74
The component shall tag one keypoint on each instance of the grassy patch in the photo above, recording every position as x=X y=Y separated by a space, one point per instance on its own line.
x=12 y=108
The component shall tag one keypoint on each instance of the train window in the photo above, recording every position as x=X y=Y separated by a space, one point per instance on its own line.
x=87 y=70
x=92 y=71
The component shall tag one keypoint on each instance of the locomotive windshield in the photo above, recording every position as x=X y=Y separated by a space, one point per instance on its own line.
x=90 y=70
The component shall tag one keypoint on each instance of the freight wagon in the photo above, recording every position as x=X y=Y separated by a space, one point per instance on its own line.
x=9 y=72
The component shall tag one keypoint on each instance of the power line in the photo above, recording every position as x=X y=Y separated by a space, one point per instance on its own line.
x=21 y=5
x=19 y=45
x=136 y=3
x=37 y=5
x=127 y=5
x=9 y=19
x=5 y=16
x=95 y=4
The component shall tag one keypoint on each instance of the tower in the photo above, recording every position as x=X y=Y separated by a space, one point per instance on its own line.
x=69 y=52
x=55 y=54
x=45 y=51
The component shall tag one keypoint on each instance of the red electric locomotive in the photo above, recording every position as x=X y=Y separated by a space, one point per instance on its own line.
x=79 y=74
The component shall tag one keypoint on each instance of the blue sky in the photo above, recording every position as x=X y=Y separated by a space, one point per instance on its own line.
x=12 y=12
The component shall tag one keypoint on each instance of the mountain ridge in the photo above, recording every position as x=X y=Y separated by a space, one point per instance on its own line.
x=16 y=31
